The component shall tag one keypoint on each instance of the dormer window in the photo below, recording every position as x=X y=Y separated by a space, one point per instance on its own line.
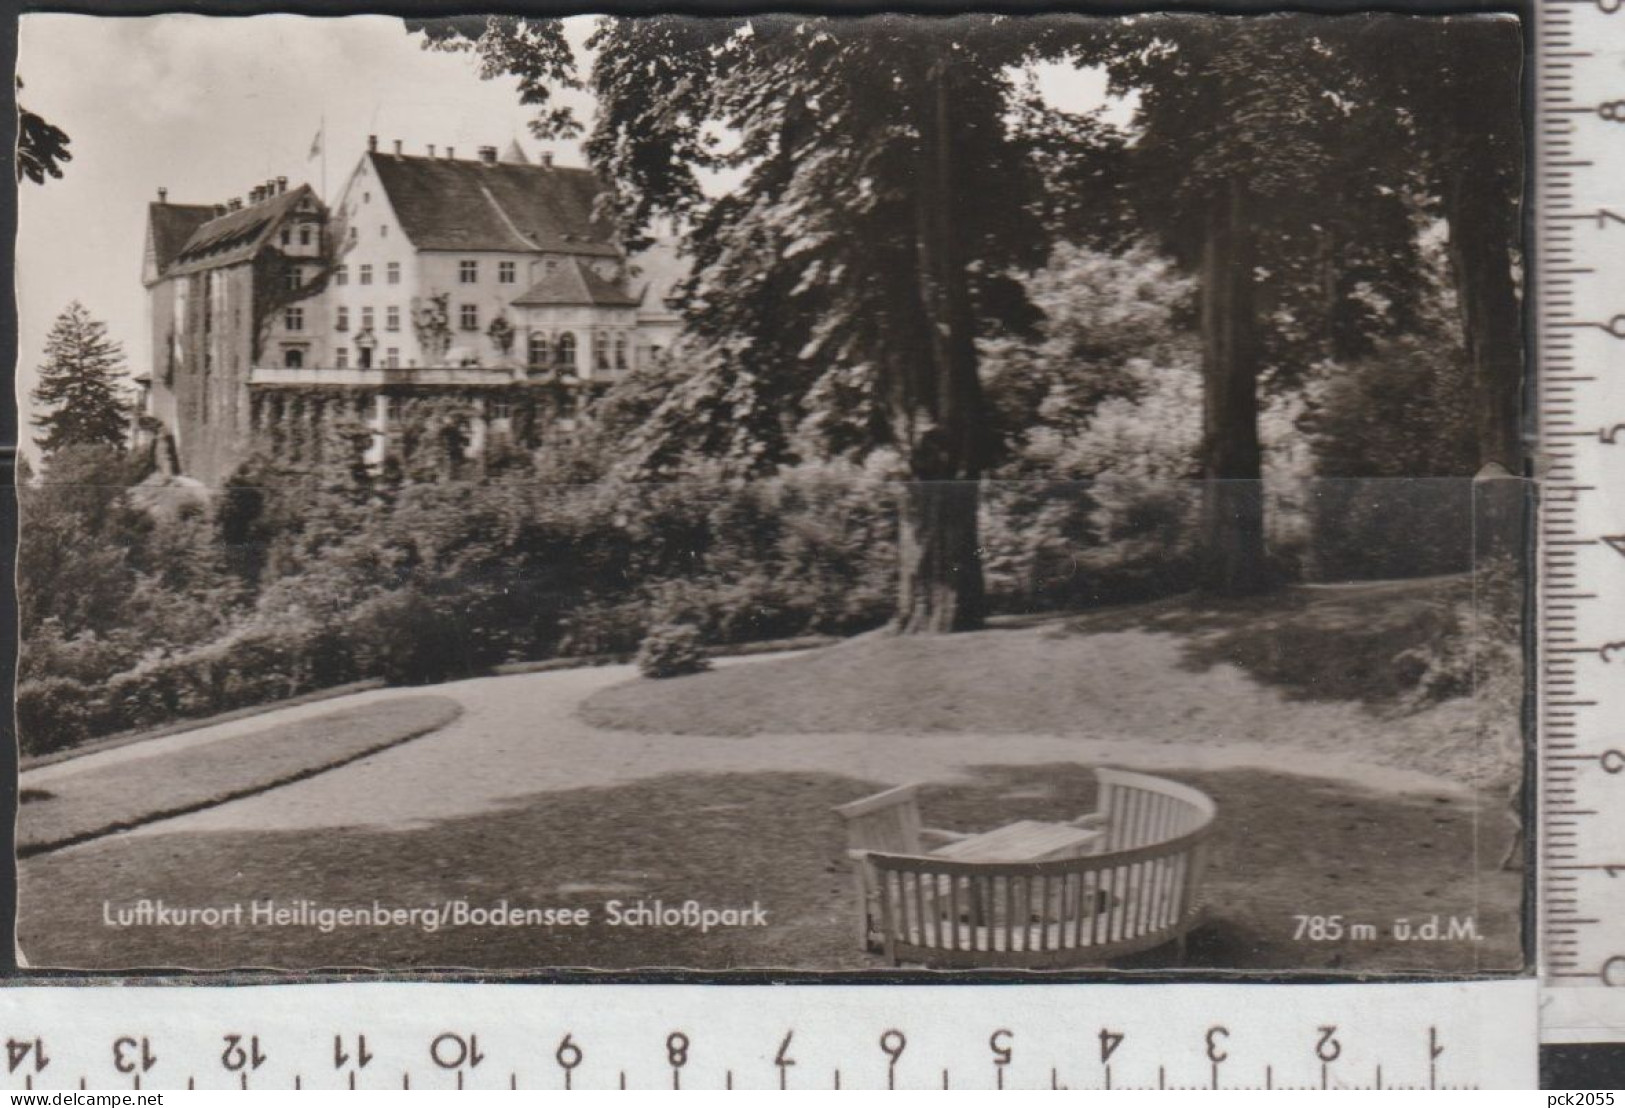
x=304 y=236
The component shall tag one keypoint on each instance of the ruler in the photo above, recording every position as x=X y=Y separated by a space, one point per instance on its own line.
x=1579 y=283
x=497 y=1036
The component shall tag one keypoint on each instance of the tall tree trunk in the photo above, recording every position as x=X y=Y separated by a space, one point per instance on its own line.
x=1232 y=461
x=940 y=585
x=1482 y=221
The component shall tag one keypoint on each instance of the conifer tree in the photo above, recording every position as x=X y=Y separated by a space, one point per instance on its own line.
x=79 y=397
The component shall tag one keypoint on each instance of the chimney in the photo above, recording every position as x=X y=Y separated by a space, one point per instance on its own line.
x=254 y=195
x=269 y=190
x=431 y=150
x=397 y=148
x=281 y=185
x=451 y=154
x=372 y=144
x=547 y=159
x=163 y=195
x=234 y=204
x=488 y=155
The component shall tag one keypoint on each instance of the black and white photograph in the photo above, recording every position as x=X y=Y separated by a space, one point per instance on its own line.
x=782 y=492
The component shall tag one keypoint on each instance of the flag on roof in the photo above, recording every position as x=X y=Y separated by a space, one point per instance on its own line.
x=316 y=143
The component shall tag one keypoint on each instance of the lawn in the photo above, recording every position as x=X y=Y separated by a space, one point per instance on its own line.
x=105 y=798
x=1305 y=668
x=1284 y=846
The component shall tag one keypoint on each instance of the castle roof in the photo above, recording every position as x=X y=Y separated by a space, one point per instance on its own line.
x=573 y=283
x=657 y=274
x=447 y=204
x=236 y=236
x=169 y=226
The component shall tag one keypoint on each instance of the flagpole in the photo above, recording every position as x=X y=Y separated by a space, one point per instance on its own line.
x=324 y=159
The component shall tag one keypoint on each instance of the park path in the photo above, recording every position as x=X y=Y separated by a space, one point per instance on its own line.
x=521 y=735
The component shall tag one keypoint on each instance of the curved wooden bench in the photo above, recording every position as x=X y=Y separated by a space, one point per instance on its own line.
x=1141 y=889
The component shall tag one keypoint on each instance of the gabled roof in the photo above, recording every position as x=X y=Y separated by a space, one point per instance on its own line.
x=237 y=236
x=169 y=226
x=656 y=275
x=446 y=204
x=573 y=283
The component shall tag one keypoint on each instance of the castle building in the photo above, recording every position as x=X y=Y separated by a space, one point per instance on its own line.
x=492 y=282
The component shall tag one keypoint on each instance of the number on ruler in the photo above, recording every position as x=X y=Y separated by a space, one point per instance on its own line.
x=568 y=1056
x=783 y=1060
x=234 y=1057
x=130 y=1053
x=1109 y=1042
x=1612 y=110
x=342 y=1058
x=19 y=1051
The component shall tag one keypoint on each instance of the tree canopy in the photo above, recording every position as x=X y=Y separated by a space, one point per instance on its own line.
x=80 y=393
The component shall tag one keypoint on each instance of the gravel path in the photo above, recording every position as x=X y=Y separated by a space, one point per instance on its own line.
x=521 y=735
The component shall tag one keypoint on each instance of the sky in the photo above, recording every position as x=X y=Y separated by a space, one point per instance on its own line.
x=209 y=107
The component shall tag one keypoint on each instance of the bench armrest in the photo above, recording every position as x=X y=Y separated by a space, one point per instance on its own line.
x=1092 y=819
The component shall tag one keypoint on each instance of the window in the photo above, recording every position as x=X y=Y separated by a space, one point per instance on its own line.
x=341 y=357
x=393 y=273
x=341 y=322
x=364 y=357
x=383 y=230
x=366 y=198
x=600 y=351
x=620 y=351
x=366 y=319
x=392 y=318
x=294 y=319
x=392 y=358
x=392 y=409
x=287 y=236
x=304 y=236
x=366 y=274
x=294 y=359
x=469 y=317
x=499 y=409
x=468 y=272
x=565 y=355
x=341 y=275
x=290 y=279
x=352 y=235
x=505 y=272
x=537 y=352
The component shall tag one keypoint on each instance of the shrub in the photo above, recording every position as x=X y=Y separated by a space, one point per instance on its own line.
x=672 y=650
x=52 y=713
x=408 y=638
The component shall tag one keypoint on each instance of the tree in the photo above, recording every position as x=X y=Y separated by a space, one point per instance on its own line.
x=838 y=291
x=1454 y=87
x=79 y=393
x=1256 y=167
x=42 y=147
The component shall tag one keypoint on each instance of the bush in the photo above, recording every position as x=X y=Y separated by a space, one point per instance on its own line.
x=672 y=650
x=53 y=713
x=408 y=638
